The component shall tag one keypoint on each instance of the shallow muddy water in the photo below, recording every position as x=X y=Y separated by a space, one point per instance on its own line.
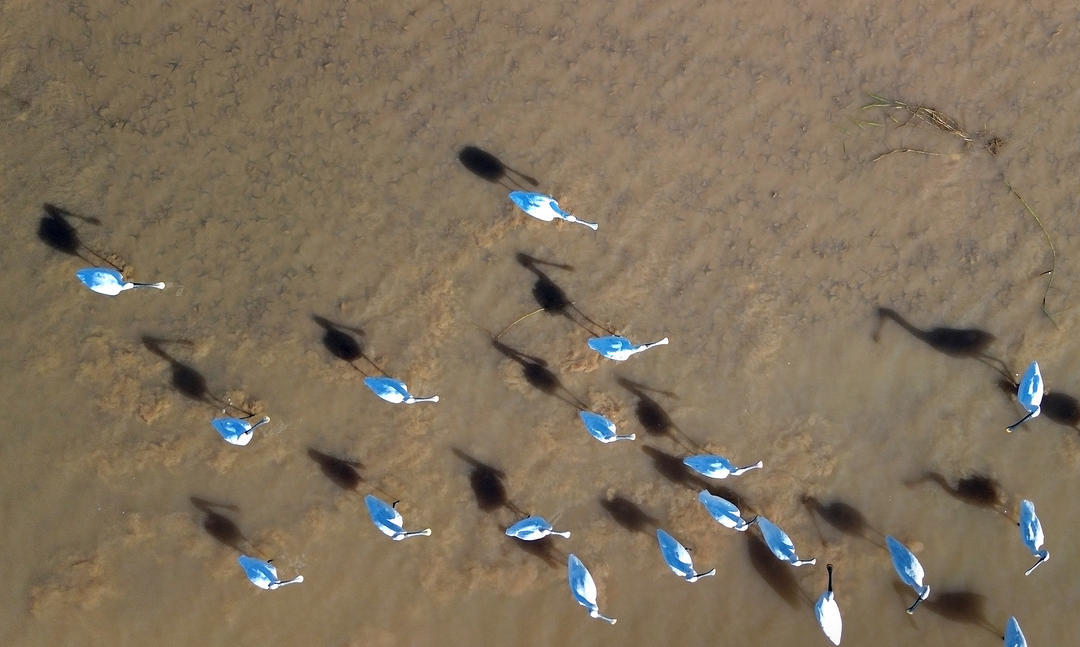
x=293 y=174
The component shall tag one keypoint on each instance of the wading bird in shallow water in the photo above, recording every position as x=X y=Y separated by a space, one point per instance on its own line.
x=678 y=558
x=1031 y=533
x=620 y=348
x=780 y=544
x=263 y=573
x=909 y=569
x=583 y=587
x=388 y=520
x=724 y=512
x=601 y=428
x=828 y=612
x=534 y=528
x=1030 y=394
x=717 y=467
x=394 y=391
x=1013 y=636
x=237 y=431
x=110 y=282
x=543 y=207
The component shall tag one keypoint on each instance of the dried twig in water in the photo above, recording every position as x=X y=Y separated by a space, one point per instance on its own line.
x=926 y=113
x=906 y=150
x=1053 y=253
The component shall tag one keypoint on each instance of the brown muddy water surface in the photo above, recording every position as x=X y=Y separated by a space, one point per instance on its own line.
x=274 y=164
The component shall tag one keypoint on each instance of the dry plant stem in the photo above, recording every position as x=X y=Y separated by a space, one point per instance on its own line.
x=906 y=150
x=949 y=125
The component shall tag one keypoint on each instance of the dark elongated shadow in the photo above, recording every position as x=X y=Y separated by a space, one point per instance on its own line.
x=186 y=379
x=629 y=515
x=219 y=526
x=673 y=469
x=342 y=345
x=545 y=549
x=778 y=575
x=487 y=485
x=342 y=472
x=979 y=490
x=653 y=417
x=55 y=231
x=485 y=165
x=553 y=300
x=843 y=517
x=954 y=342
x=961 y=606
x=538 y=375
x=1061 y=408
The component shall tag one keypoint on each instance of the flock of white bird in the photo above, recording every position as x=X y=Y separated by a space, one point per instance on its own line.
x=388 y=520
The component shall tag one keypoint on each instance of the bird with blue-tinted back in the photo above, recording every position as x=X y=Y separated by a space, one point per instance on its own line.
x=1030 y=394
x=237 y=431
x=263 y=573
x=828 y=612
x=1031 y=533
x=909 y=569
x=601 y=428
x=544 y=207
x=780 y=544
x=1013 y=636
x=724 y=512
x=109 y=282
x=620 y=348
x=583 y=587
x=534 y=528
x=394 y=391
x=678 y=557
x=388 y=520
x=717 y=467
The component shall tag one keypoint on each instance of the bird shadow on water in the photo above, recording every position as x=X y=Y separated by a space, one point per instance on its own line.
x=341 y=472
x=486 y=166
x=673 y=469
x=961 y=606
x=1061 y=408
x=221 y=527
x=185 y=379
x=339 y=340
x=552 y=299
x=539 y=376
x=629 y=515
x=978 y=490
x=652 y=417
x=487 y=485
x=954 y=342
x=843 y=517
x=778 y=575
x=55 y=231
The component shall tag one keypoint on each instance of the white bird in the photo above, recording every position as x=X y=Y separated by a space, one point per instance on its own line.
x=235 y=430
x=717 y=467
x=678 y=558
x=263 y=574
x=388 y=520
x=394 y=391
x=1013 y=636
x=909 y=569
x=828 y=612
x=1030 y=394
x=780 y=544
x=110 y=282
x=543 y=207
x=583 y=587
x=724 y=512
x=1031 y=533
x=620 y=348
x=601 y=428
x=533 y=528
